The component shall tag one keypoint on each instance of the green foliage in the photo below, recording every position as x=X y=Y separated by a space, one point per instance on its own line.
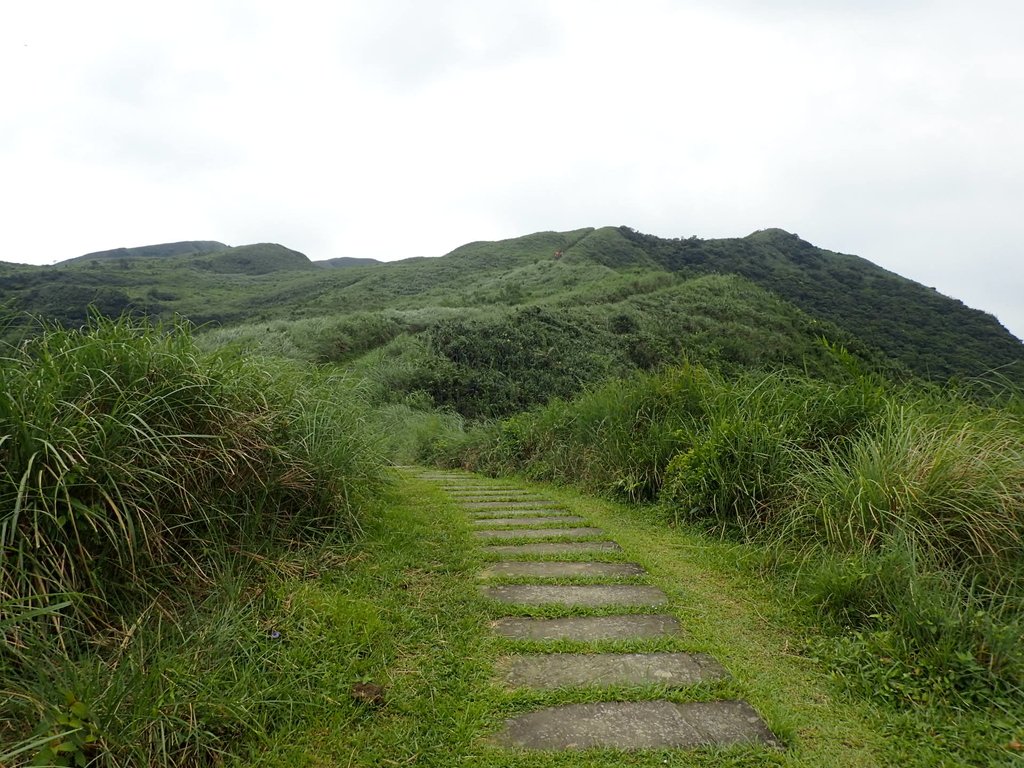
x=933 y=335
x=257 y=259
x=488 y=368
x=123 y=449
x=864 y=307
x=897 y=512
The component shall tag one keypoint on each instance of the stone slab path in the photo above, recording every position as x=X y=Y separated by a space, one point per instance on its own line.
x=559 y=670
x=559 y=570
x=515 y=514
x=553 y=548
x=630 y=626
x=510 y=522
x=591 y=595
x=539 y=533
x=637 y=725
x=489 y=514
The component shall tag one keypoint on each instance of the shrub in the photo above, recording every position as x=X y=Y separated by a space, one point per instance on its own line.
x=124 y=453
x=141 y=484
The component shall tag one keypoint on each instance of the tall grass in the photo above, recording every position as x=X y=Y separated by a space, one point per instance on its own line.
x=133 y=470
x=897 y=512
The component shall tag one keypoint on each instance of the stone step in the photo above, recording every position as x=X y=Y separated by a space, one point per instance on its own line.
x=551 y=548
x=586 y=595
x=539 y=533
x=487 y=514
x=476 y=499
x=523 y=520
x=501 y=504
x=637 y=725
x=555 y=570
x=633 y=626
x=487 y=495
x=560 y=670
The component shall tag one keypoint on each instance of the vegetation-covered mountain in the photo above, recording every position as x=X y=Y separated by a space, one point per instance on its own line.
x=184 y=248
x=625 y=300
x=217 y=532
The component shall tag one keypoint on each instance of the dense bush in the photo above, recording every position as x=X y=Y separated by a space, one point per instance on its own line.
x=498 y=366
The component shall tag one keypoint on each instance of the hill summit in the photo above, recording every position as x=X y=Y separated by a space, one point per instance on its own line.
x=161 y=250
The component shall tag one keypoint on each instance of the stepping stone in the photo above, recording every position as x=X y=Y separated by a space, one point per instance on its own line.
x=477 y=499
x=526 y=521
x=486 y=514
x=634 y=626
x=589 y=595
x=487 y=490
x=552 y=548
x=539 y=533
x=486 y=493
x=637 y=725
x=555 y=570
x=502 y=504
x=559 y=670
x=509 y=504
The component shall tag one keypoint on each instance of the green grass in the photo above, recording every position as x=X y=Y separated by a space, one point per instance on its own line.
x=400 y=608
x=426 y=642
x=891 y=517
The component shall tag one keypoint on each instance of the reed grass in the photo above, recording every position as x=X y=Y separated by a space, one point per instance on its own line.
x=893 y=512
x=135 y=472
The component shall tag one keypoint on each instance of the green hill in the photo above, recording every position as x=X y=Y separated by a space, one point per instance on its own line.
x=634 y=300
x=904 y=319
x=258 y=259
x=183 y=248
x=348 y=261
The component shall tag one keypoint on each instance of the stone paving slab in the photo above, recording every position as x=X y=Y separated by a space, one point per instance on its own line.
x=555 y=570
x=636 y=626
x=486 y=514
x=539 y=533
x=551 y=548
x=637 y=725
x=504 y=505
x=488 y=495
x=559 y=670
x=500 y=504
x=537 y=501
x=586 y=595
x=523 y=520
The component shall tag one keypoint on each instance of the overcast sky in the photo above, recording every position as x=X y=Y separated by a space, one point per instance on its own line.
x=892 y=129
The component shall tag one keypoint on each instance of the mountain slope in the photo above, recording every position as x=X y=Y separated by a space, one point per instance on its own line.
x=905 y=319
x=184 y=248
x=933 y=335
x=257 y=259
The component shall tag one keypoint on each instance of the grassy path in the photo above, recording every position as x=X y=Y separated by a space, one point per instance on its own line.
x=404 y=612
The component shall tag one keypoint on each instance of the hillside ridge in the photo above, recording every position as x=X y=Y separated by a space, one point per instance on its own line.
x=566 y=274
x=158 y=250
